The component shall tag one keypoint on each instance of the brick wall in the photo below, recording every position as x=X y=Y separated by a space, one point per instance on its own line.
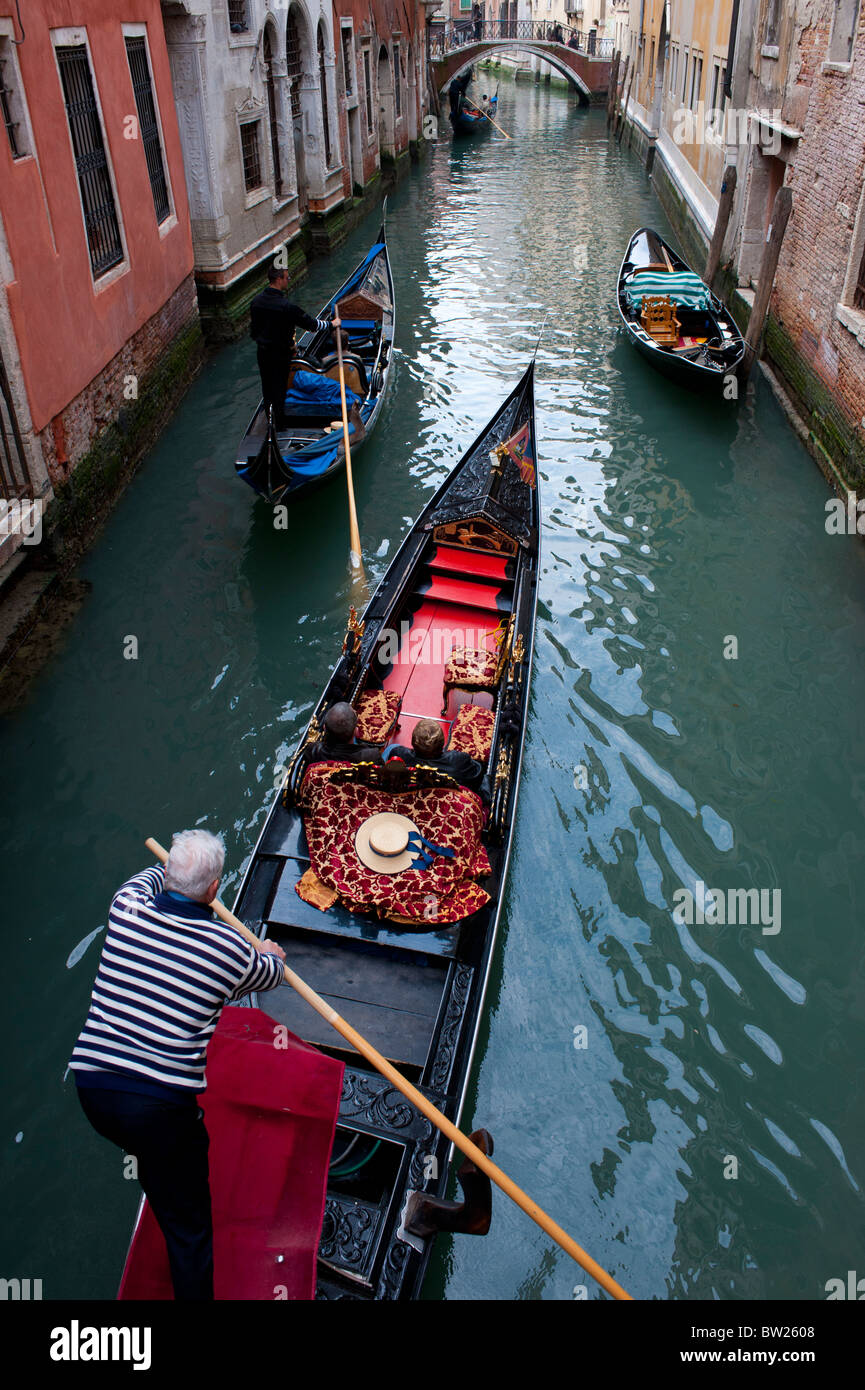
x=108 y=399
x=823 y=240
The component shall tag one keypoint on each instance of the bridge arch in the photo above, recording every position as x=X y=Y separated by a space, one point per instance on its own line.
x=548 y=52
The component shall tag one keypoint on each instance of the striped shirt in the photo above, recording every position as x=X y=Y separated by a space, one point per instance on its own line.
x=167 y=968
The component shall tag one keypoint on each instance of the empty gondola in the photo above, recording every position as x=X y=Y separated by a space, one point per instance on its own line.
x=673 y=319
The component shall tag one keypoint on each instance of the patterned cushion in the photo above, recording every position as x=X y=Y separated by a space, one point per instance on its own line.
x=445 y=892
x=471 y=668
x=472 y=731
x=377 y=716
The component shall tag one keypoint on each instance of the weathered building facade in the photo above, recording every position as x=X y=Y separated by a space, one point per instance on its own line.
x=288 y=112
x=98 y=323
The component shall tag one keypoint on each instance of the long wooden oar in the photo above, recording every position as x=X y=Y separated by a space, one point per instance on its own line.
x=492 y=122
x=456 y=1136
x=354 y=533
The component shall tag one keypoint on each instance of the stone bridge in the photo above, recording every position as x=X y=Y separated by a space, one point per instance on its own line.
x=582 y=59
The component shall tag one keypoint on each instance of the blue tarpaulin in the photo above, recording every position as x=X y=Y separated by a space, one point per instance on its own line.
x=313 y=388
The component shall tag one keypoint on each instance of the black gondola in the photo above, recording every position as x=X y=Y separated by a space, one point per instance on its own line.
x=405 y=958
x=282 y=465
x=698 y=343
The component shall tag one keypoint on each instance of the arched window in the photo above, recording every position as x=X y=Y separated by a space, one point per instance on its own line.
x=322 y=81
x=293 y=61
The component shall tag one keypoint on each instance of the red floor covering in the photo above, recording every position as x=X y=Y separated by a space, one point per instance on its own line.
x=418 y=672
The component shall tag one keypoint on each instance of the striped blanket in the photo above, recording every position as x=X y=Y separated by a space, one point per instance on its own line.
x=684 y=288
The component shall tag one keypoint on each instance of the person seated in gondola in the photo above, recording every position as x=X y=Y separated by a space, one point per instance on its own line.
x=338 y=742
x=428 y=747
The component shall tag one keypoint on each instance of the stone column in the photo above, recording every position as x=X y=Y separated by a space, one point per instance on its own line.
x=284 y=126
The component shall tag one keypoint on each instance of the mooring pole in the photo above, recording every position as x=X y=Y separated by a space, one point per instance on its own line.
x=613 y=85
x=725 y=207
x=781 y=209
x=624 y=112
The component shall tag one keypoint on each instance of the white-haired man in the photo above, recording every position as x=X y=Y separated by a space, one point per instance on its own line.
x=168 y=966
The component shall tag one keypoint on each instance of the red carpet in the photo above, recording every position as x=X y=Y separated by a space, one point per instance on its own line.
x=271 y=1116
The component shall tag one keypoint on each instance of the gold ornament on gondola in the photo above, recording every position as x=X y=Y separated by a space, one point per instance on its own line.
x=518 y=656
x=353 y=633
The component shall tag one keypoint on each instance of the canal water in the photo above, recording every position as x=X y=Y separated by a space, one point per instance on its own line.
x=685 y=1098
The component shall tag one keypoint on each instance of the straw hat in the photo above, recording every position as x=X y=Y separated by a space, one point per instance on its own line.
x=382 y=843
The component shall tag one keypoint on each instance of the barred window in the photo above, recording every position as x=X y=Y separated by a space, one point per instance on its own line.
x=859 y=291
x=237 y=20
x=367 y=77
x=249 y=142
x=347 y=62
x=10 y=101
x=148 y=126
x=91 y=162
x=293 y=61
x=396 y=86
x=322 y=79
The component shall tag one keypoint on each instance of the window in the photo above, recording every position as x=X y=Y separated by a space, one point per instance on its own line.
x=843 y=34
x=271 y=113
x=674 y=68
x=249 y=144
x=396 y=82
x=368 y=84
x=347 y=62
x=772 y=22
x=91 y=161
x=237 y=21
x=859 y=287
x=696 y=81
x=293 y=62
x=684 y=73
x=322 y=78
x=148 y=126
x=10 y=101
x=651 y=64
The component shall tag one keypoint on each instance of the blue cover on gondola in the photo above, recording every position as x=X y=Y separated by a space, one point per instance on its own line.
x=313 y=388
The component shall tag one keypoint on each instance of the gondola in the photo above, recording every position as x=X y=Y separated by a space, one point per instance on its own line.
x=471 y=118
x=684 y=330
x=405 y=956
x=282 y=465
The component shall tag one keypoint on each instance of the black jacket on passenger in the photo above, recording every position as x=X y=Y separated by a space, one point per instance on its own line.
x=327 y=750
x=274 y=319
x=458 y=765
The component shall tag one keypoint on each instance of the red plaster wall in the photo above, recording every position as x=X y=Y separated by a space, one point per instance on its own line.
x=68 y=327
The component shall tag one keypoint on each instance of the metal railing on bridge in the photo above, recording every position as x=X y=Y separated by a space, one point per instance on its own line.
x=453 y=35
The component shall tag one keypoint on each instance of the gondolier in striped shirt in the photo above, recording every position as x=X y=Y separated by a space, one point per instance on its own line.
x=168 y=966
x=273 y=319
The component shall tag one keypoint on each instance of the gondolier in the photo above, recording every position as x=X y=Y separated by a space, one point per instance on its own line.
x=273 y=321
x=168 y=967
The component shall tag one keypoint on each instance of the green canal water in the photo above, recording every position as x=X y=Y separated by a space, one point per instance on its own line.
x=685 y=1099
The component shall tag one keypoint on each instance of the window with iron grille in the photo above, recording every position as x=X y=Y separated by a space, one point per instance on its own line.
x=91 y=161
x=293 y=61
x=396 y=86
x=367 y=78
x=148 y=126
x=322 y=79
x=10 y=105
x=271 y=111
x=347 y=62
x=249 y=144
x=859 y=292
x=237 y=20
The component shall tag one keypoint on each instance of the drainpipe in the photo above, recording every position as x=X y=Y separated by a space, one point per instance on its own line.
x=731 y=50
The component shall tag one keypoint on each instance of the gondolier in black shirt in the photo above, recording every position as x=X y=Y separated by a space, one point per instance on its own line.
x=274 y=319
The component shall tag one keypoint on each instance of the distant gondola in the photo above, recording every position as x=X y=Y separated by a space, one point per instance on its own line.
x=447 y=635
x=471 y=119
x=310 y=450
x=684 y=330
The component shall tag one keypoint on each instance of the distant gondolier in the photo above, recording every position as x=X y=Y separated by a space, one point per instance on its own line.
x=168 y=967
x=273 y=321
